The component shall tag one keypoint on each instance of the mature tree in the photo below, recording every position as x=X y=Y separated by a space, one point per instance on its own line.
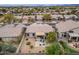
x=30 y=11
x=8 y=18
x=30 y=19
x=51 y=37
x=54 y=49
x=47 y=17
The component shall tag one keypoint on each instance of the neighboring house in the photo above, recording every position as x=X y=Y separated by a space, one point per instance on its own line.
x=39 y=17
x=40 y=13
x=74 y=34
x=11 y=32
x=64 y=28
x=57 y=17
x=68 y=17
x=38 y=31
x=25 y=17
x=54 y=13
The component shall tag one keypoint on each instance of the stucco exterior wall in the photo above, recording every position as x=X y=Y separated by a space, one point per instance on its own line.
x=60 y=35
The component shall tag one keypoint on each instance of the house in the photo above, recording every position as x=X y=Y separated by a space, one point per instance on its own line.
x=55 y=13
x=11 y=32
x=64 y=28
x=57 y=17
x=38 y=31
x=68 y=17
x=39 y=17
x=1 y=13
x=25 y=17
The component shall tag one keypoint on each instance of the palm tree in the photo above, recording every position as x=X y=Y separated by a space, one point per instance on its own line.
x=60 y=47
x=54 y=49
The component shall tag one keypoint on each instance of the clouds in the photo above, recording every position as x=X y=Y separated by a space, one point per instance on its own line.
x=39 y=2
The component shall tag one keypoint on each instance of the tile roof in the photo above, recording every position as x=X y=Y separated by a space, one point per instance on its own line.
x=64 y=26
x=10 y=30
x=38 y=27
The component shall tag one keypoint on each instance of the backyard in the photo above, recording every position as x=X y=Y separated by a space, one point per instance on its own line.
x=28 y=46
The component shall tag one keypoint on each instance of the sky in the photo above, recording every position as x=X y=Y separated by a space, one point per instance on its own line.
x=39 y=2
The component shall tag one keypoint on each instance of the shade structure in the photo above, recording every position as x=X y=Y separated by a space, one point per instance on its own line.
x=40 y=33
x=74 y=34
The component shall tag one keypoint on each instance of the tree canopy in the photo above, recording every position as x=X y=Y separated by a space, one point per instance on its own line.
x=51 y=37
x=47 y=17
x=8 y=18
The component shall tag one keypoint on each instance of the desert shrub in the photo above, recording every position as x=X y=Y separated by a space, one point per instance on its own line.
x=31 y=46
x=28 y=43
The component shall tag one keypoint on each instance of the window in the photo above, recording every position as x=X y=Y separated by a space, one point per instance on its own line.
x=73 y=37
x=40 y=44
x=33 y=34
x=70 y=31
x=27 y=34
x=64 y=34
x=40 y=40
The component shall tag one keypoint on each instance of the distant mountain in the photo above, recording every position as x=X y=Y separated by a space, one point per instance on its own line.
x=16 y=5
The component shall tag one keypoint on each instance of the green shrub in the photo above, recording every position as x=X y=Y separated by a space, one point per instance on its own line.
x=31 y=46
x=11 y=49
x=67 y=49
x=51 y=37
x=7 y=48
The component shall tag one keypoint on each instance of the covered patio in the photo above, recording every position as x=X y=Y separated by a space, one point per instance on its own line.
x=74 y=37
x=40 y=38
